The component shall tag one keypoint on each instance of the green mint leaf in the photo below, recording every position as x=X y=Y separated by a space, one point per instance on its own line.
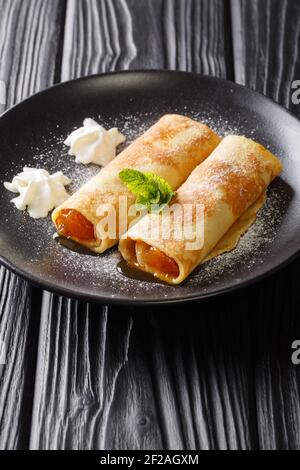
x=165 y=190
x=149 y=188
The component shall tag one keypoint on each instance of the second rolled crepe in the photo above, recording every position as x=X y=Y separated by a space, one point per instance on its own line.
x=171 y=148
x=228 y=187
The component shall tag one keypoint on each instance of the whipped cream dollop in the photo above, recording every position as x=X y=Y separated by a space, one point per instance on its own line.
x=39 y=191
x=93 y=144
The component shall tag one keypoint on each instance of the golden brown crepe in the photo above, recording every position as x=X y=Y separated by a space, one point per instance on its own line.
x=229 y=187
x=237 y=230
x=172 y=148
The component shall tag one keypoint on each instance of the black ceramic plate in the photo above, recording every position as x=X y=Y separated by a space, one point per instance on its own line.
x=32 y=134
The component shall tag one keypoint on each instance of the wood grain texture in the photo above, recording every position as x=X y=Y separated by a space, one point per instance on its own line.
x=212 y=375
x=19 y=325
x=29 y=38
x=266 y=38
x=207 y=357
x=81 y=353
x=29 y=33
x=147 y=398
x=104 y=35
x=267 y=59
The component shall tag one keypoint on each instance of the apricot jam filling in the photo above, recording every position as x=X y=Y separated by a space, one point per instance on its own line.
x=157 y=260
x=71 y=224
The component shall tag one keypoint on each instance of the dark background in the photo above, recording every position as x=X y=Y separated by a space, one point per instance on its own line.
x=216 y=374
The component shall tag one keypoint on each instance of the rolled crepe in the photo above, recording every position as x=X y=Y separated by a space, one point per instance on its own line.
x=171 y=148
x=229 y=188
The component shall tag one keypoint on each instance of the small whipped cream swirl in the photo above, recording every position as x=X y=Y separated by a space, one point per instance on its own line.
x=93 y=144
x=39 y=191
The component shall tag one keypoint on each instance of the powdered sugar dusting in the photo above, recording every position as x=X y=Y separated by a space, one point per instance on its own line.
x=100 y=272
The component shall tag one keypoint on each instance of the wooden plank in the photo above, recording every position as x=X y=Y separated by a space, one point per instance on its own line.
x=19 y=324
x=103 y=35
x=267 y=58
x=81 y=353
x=266 y=36
x=29 y=37
x=156 y=378
x=277 y=380
x=201 y=362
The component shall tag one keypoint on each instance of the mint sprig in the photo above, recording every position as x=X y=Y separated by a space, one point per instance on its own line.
x=149 y=188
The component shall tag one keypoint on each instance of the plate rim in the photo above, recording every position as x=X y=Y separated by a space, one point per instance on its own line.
x=106 y=300
x=50 y=286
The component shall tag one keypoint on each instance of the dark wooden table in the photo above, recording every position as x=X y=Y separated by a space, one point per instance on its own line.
x=214 y=375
